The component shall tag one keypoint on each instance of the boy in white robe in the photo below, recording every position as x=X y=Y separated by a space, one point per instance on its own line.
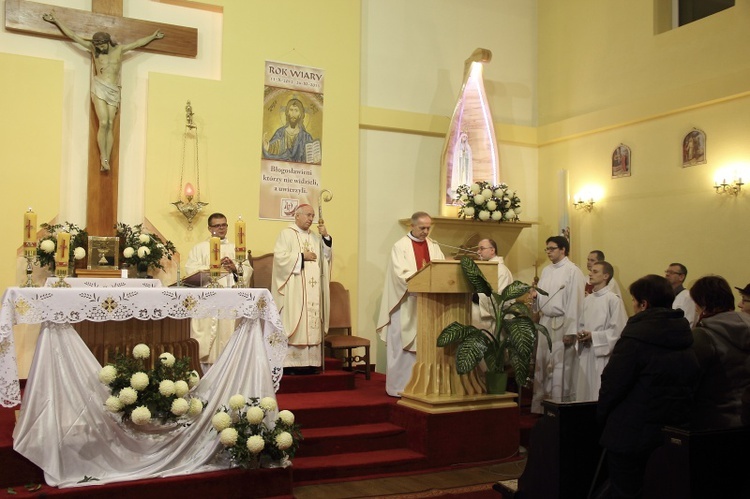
x=600 y=326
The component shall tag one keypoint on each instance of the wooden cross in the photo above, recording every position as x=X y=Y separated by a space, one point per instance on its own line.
x=106 y=15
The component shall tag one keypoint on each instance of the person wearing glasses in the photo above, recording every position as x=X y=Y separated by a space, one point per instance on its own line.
x=676 y=274
x=482 y=313
x=213 y=334
x=560 y=312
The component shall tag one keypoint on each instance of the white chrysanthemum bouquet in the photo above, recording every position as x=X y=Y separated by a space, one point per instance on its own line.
x=247 y=438
x=482 y=201
x=144 y=396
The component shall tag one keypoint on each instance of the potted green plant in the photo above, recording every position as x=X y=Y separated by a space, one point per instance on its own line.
x=512 y=339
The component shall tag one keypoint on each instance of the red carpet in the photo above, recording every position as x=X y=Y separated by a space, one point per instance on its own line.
x=351 y=430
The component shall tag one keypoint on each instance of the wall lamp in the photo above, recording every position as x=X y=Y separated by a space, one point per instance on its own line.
x=733 y=187
x=192 y=195
x=585 y=205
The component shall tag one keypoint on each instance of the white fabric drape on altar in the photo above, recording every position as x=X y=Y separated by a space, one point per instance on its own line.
x=63 y=426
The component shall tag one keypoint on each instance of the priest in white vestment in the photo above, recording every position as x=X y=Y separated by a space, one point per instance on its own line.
x=559 y=312
x=397 y=321
x=300 y=285
x=482 y=313
x=212 y=333
x=612 y=285
x=676 y=274
x=599 y=328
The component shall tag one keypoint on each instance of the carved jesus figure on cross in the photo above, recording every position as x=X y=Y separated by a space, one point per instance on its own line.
x=105 y=80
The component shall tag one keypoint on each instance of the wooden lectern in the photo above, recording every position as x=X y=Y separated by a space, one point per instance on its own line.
x=444 y=296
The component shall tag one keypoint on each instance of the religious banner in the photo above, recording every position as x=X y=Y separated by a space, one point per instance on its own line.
x=291 y=161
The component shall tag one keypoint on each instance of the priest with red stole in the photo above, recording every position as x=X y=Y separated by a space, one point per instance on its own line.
x=397 y=322
x=300 y=287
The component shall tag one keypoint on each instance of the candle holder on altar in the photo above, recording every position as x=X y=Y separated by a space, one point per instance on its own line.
x=215 y=275
x=61 y=271
x=30 y=261
x=239 y=282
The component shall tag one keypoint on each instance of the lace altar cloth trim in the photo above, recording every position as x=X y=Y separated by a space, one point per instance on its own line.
x=71 y=305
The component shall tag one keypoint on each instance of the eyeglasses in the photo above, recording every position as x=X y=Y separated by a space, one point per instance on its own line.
x=672 y=272
x=480 y=248
x=551 y=248
x=219 y=226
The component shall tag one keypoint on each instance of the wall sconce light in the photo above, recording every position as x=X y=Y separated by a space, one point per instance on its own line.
x=585 y=205
x=732 y=187
x=189 y=208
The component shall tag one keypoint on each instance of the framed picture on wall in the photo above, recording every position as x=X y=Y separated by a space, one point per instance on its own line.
x=694 y=148
x=621 y=161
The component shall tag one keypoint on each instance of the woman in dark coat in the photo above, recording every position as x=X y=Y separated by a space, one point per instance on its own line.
x=647 y=384
x=721 y=342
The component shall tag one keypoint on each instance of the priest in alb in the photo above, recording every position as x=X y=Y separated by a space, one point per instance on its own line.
x=397 y=322
x=599 y=328
x=300 y=287
x=213 y=334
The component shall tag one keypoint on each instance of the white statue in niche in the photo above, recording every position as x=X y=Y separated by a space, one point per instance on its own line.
x=461 y=170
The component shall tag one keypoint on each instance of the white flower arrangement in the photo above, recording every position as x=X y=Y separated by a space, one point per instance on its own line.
x=143 y=249
x=483 y=201
x=48 y=244
x=146 y=396
x=243 y=431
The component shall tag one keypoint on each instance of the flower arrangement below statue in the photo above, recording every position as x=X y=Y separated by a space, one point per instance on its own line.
x=161 y=394
x=483 y=201
x=45 y=250
x=246 y=437
x=142 y=250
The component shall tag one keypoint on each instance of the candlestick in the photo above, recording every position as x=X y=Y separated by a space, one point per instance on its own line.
x=29 y=233
x=214 y=247
x=240 y=234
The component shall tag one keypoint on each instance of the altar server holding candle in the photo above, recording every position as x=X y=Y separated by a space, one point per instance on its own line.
x=213 y=334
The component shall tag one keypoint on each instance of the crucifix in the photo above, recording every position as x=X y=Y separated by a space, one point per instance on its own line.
x=106 y=15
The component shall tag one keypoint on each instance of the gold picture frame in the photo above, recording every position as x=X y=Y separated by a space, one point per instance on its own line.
x=104 y=253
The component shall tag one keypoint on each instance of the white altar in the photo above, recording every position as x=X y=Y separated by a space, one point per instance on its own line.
x=63 y=426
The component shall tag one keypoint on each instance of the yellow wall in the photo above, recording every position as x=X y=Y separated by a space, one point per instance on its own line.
x=30 y=133
x=604 y=83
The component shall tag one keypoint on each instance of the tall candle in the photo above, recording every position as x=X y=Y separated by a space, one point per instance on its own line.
x=29 y=233
x=240 y=234
x=214 y=247
x=63 y=249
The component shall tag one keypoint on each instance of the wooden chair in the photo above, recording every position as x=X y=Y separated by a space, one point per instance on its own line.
x=262 y=269
x=341 y=318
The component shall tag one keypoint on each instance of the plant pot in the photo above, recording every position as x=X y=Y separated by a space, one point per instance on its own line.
x=496 y=382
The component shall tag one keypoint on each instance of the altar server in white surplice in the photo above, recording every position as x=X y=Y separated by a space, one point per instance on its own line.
x=482 y=312
x=300 y=286
x=213 y=334
x=599 y=329
x=559 y=313
x=397 y=321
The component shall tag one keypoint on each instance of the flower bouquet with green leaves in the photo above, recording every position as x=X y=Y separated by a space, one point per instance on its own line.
x=514 y=334
x=242 y=429
x=484 y=201
x=160 y=395
x=142 y=249
x=45 y=250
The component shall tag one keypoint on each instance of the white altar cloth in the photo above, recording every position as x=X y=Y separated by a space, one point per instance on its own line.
x=63 y=426
x=105 y=282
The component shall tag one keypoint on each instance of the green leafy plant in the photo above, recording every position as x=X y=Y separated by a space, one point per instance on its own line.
x=513 y=336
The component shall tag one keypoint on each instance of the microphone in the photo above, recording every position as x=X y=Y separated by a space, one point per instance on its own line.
x=562 y=286
x=456 y=248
